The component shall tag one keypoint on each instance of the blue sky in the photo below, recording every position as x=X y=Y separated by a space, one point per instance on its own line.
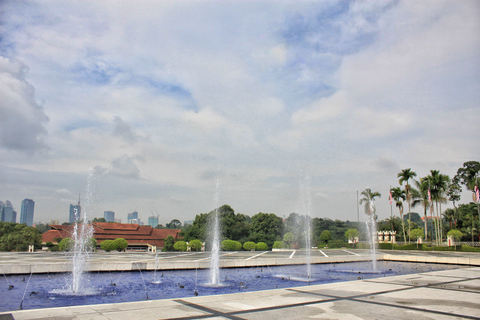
x=145 y=106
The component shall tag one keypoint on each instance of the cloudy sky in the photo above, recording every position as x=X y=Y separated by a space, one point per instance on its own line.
x=175 y=107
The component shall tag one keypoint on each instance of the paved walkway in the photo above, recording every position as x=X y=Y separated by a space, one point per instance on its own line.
x=449 y=294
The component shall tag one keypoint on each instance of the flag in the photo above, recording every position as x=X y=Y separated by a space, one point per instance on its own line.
x=429 y=196
x=390 y=196
x=477 y=194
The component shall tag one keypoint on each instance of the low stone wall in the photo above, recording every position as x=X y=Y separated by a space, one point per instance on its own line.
x=227 y=263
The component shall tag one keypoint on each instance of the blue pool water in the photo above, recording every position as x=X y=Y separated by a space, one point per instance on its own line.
x=51 y=290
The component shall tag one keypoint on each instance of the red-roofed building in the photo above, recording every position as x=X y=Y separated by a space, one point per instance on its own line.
x=136 y=235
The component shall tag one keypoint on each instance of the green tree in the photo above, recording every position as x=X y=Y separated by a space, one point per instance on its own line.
x=266 y=227
x=174 y=224
x=351 y=234
x=369 y=198
x=438 y=183
x=455 y=234
x=168 y=244
x=120 y=244
x=399 y=196
x=288 y=239
x=469 y=175
x=42 y=228
x=416 y=234
x=99 y=220
x=278 y=245
x=423 y=198
x=230 y=245
x=66 y=244
x=261 y=246
x=297 y=225
x=325 y=236
x=195 y=245
x=249 y=246
x=107 y=245
x=17 y=237
x=454 y=195
x=405 y=175
x=180 y=246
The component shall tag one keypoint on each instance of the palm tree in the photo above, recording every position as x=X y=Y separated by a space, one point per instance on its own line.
x=453 y=193
x=399 y=195
x=422 y=188
x=405 y=175
x=368 y=199
x=438 y=183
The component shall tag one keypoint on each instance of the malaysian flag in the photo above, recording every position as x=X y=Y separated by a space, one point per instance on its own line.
x=390 y=196
x=429 y=196
x=477 y=194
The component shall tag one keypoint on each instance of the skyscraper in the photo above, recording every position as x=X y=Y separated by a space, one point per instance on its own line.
x=2 y=211
x=153 y=221
x=9 y=215
x=26 y=214
x=132 y=216
x=109 y=216
x=75 y=212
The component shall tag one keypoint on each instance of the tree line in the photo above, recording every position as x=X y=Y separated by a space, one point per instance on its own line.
x=429 y=193
x=267 y=228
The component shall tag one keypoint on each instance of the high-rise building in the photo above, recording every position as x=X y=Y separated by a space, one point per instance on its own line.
x=9 y=214
x=109 y=216
x=26 y=214
x=2 y=211
x=75 y=212
x=153 y=221
x=132 y=216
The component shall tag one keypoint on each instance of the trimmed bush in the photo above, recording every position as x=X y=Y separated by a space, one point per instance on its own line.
x=180 y=246
x=278 y=245
x=470 y=249
x=447 y=248
x=249 y=245
x=336 y=244
x=108 y=245
x=120 y=244
x=195 y=245
x=230 y=245
x=65 y=244
x=261 y=246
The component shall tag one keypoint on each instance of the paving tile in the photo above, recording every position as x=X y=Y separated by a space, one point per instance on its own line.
x=432 y=299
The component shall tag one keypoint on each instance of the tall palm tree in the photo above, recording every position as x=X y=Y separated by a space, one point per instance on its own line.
x=423 y=199
x=453 y=193
x=405 y=175
x=438 y=184
x=368 y=198
x=399 y=196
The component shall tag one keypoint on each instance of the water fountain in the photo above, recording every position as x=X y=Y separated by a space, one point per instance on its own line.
x=82 y=238
x=371 y=225
x=307 y=206
x=215 y=240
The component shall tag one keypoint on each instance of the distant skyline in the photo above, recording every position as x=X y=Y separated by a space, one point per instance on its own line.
x=173 y=108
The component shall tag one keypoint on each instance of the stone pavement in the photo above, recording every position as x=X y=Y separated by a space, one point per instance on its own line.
x=449 y=294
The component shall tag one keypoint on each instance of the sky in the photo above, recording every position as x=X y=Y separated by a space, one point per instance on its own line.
x=173 y=108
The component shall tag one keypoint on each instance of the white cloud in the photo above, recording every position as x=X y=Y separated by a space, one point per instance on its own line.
x=22 y=119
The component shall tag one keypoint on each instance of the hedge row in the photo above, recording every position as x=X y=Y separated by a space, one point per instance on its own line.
x=424 y=247
x=232 y=245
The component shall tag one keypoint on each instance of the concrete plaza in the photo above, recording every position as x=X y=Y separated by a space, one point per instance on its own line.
x=449 y=294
